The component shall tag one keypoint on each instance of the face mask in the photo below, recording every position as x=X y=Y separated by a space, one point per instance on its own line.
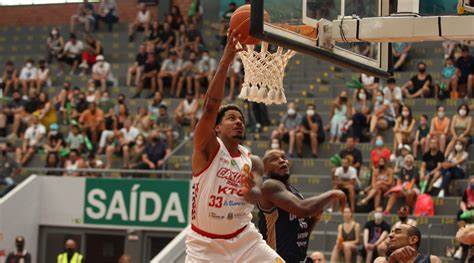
x=310 y=112
x=20 y=247
x=54 y=32
x=422 y=70
x=458 y=147
x=70 y=251
x=381 y=166
x=343 y=99
x=403 y=218
x=378 y=216
x=140 y=142
x=379 y=98
x=205 y=57
x=155 y=139
x=462 y=112
x=120 y=101
x=54 y=133
x=362 y=96
x=104 y=99
x=91 y=89
x=441 y=114
x=291 y=111
x=405 y=113
x=379 y=143
x=29 y=65
x=275 y=146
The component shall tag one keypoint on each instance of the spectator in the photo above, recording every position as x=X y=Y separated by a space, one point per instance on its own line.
x=166 y=126
x=177 y=18
x=375 y=232
x=431 y=165
x=141 y=23
x=170 y=70
x=28 y=76
x=260 y=112
x=194 y=38
x=64 y=96
x=461 y=127
x=348 y=238
x=73 y=163
x=55 y=140
x=155 y=154
x=206 y=69
x=404 y=129
x=72 y=53
x=403 y=214
x=149 y=76
x=92 y=122
x=400 y=158
x=153 y=36
x=419 y=86
x=136 y=153
x=353 y=154
x=379 y=152
x=187 y=73
x=289 y=124
x=93 y=163
x=345 y=179
x=102 y=73
x=92 y=94
x=143 y=120
x=181 y=38
x=21 y=255
x=126 y=138
x=439 y=128
x=421 y=136
x=9 y=78
x=276 y=145
x=79 y=104
x=464 y=73
x=382 y=181
x=454 y=167
x=448 y=86
x=369 y=83
x=393 y=93
x=166 y=39
x=310 y=131
x=33 y=140
x=234 y=74
x=406 y=185
x=52 y=163
x=187 y=111
x=317 y=257
x=154 y=106
x=400 y=53
x=42 y=76
x=107 y=13
x=449 y=46
x=383 y=116
x=341 y=112
x=360 y=115
x=71 y=255
x=55 y=45
x=85 y=16
x=465 y=215
x=110 y=129
x=8 y=169
x=92 y=49
x=13 y=113
x=75 y=140
x=137 y=67
x=47 y=112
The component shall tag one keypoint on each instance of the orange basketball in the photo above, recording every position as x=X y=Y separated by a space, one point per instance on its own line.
x=240 y=20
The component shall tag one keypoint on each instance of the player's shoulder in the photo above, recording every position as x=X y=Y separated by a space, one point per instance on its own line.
x=270 y=185
x=434 y=259
x=380 y=260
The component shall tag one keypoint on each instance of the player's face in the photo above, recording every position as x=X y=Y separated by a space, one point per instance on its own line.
x=232 y=125
x=277 y=164
x=399 y=238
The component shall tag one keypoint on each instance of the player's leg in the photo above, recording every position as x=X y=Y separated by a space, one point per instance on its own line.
x=250 y=247
x=200 y=249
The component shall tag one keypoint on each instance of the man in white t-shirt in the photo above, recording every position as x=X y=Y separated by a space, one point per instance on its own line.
x=393 y=93
x=170 y=69
x=126 y=139
x=34 y=139
x=72 y=52
x=345 y=179
x=206 y=67
x=101 y=73
x=28 y=76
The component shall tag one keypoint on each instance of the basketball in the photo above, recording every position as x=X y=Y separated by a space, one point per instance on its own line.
x=240 y=20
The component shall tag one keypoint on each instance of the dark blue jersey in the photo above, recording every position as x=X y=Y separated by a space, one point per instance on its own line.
x=284 y=232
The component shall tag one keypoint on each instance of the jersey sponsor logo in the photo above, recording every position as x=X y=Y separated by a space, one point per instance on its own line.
x=230 y=216
x=224 y=160
x=233 y=203
x=227 y=190
x=215 y=216
x=229 y=175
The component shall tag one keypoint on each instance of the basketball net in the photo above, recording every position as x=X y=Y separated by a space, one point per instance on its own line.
x=264 y=72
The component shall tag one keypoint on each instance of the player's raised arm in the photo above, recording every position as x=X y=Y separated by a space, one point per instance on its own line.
x=275 y=192
x=252 y=182
x=205 y=142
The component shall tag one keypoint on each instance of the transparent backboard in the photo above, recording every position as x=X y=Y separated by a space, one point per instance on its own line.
x=297 y=24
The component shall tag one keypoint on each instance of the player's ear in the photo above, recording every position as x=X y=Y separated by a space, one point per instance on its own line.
x=217 y=128
x=412 y=240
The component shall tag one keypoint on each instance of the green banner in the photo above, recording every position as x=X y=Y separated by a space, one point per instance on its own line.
x=129 y=202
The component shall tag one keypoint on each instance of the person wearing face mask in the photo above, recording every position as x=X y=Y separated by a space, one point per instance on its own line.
x=187 y=112
x=33 y=140
x=341 y=112
x=465 y=216
x=102 y=73
x=55 y=140
x=393 y=93
x=379 y=152
x=403 y=214
x=348 y=238
x=382 y=181
x=289 y=124
x=374 y=234
x=359 y=123
x=286 y=219
x=345 y=178
x=421 y=136
x=383 y=115
x=42 y=76
x=464 y=75
x=155 y=153
x=206 y=66
x=275 y=145
x=420 y=85
x=92 y=122
x=136 y=153
x=431 y=165
x=406 y=186
x=461 y=127
x=170 y=69
x=8 y=169
x=137 y=67
x=55 y=45
x=404 y=129
x=70 y=254
x=439 y=128
x=92 y=94
x=20 y=255
x=28 y=75
x=454 y=167
x=15 y=113
x=187 y=74
x=311 y=131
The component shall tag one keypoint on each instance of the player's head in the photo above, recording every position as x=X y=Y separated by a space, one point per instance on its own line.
x=318 y=257
x=230 y=123
x=402 y=236
x=276 y=165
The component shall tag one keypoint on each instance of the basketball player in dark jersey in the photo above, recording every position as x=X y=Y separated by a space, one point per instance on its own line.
x=286 y=219
x=403 y=244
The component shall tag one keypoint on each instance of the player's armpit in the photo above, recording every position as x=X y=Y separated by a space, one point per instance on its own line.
x=254 y=181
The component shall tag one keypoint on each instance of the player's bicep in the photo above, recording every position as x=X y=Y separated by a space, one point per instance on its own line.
x=257 y=170
x=204 y=134
x=276 y=193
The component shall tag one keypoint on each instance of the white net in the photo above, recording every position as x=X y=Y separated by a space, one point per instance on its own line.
x=264 y=72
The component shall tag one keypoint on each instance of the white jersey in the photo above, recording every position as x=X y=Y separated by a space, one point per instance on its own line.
x=218 y=206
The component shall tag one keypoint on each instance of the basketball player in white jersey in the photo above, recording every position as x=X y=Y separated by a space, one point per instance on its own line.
x=226 y=182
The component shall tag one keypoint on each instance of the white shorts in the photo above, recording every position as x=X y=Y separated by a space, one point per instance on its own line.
x=248 y=246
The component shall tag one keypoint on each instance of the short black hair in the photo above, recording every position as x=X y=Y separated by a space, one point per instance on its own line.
x=72 y=36
x=421 y=63
x=9 y=63
x=466 y=106
x=311 y=104
x=163 y=106
x=391 y=81
x=464 y=48
x=425 y=116
x=414 y=231
x=224 y=108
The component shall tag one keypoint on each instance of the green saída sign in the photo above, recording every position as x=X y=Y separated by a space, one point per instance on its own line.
x=147 y=203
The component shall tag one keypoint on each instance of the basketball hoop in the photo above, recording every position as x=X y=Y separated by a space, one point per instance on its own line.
x=264 y=72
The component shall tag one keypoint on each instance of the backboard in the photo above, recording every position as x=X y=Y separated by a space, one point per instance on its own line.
x=301 y=24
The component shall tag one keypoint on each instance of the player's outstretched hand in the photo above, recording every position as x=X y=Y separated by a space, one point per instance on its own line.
x=341 y=198
x=247 y=182
x=402 y=254
x=231 y=47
